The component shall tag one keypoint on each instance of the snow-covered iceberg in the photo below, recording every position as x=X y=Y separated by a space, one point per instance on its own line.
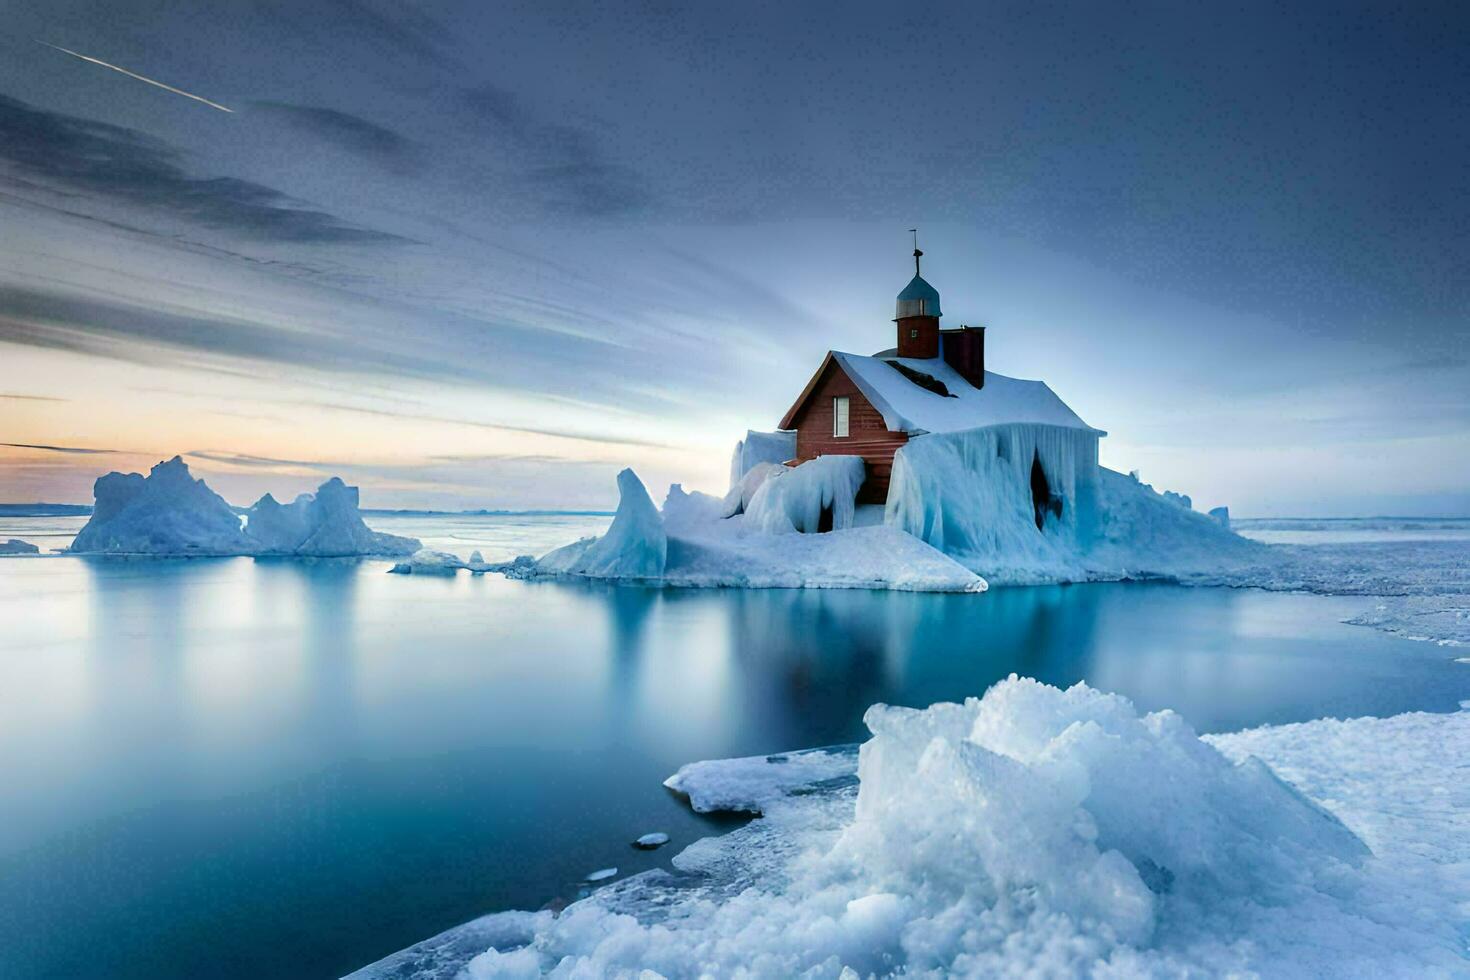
x=326 y=524
x=689 y=545
x=168 y=512
x=1038 y=832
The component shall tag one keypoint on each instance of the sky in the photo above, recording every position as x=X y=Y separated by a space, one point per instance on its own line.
x=485 y=255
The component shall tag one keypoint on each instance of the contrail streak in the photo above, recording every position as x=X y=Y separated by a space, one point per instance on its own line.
x=141 y=78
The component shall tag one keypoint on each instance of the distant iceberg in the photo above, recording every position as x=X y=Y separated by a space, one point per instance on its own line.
x=324 y=525
x=15 y=546
x=170 y=513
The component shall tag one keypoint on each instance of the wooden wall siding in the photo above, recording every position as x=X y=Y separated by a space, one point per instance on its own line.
x=868 y=436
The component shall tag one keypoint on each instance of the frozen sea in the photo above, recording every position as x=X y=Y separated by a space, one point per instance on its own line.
x=247 y=768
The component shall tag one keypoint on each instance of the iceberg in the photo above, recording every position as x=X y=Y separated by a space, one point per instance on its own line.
x=326 y=524
x=1038 y=832
x=168 y=512
x=15 y=546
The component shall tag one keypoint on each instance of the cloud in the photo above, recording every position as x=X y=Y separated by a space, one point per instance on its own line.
x=58 y=449
x=568 y=165
x=29 y=398
x=351 y=133
x=121 y=164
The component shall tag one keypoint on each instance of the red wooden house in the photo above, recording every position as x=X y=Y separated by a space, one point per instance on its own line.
x=932 y=380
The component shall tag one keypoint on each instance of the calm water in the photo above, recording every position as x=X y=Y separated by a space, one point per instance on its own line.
x=239 y=768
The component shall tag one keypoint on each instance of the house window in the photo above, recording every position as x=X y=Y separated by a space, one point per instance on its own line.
x=913 y=333
x=839 y=417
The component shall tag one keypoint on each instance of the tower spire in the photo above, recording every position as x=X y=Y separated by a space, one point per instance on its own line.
x=917 y=253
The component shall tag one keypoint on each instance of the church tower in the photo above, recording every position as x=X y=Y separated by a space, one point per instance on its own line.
x=918 y=316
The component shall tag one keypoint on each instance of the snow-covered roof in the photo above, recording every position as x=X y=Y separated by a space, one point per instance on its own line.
x=908 y=407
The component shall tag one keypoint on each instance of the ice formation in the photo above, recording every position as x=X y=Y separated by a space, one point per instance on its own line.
x=171 y=513
x=167 y=512
x=818 y=495
x=651 y=842
x=326 y=524
x=760 y=447
x=1040 y=832
x=737 y=501
x=1221 y=514
x=688 y=545
x=15 y=546
x=634 y=547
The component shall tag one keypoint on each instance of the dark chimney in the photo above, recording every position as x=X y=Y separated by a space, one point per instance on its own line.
x=964 y=350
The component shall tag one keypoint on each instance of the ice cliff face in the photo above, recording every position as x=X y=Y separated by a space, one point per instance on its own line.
x=167 y=512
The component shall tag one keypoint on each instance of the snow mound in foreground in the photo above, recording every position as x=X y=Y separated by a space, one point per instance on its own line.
x=168 y=512
x=1040 y=832
x=15 y=546
x=326 y=524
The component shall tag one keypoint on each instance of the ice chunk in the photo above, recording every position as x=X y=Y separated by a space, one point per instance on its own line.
x=818 y=495
x=760 y=447
x=167 y=512
x=1222 y=515
x=634 y=547
x=602 y=874
x=426 y=562
x=325 y=524
x=15 y=546
x=649 y=842
x=750 y=784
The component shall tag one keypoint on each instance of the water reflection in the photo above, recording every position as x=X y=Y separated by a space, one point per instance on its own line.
x=339 y=762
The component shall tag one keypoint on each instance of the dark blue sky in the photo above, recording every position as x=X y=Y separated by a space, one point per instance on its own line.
x=476 y=255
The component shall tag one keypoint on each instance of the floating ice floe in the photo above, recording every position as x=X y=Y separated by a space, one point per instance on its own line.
x=649 y=842
x=602 y=874
x=1032 y=832
x=15 y=546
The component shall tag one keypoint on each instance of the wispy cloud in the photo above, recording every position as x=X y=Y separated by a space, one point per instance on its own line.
x=141 y=78
x=113 y=162
x=352 y=133
x=58 y=449
x=567 y=164
x=29 y=398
